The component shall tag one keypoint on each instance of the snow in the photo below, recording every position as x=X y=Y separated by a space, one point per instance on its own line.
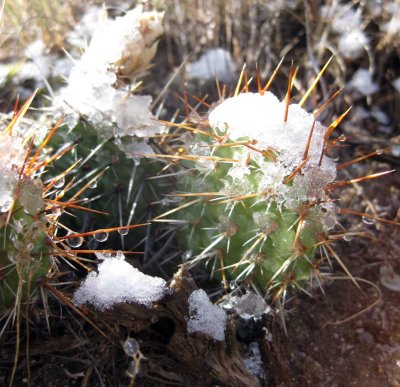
x=119 y=51
x=347 y=23
x=252 y=116
x=205 y=317
x=117 y=281
x=215 y=63
x=363 y=83
x=352 y=44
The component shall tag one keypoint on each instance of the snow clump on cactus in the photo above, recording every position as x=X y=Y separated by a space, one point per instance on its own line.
x=119 y=51
x=262 y=179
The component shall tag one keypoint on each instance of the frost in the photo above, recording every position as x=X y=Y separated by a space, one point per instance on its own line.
x=117 y=281
x=363 y=83
x=215 y=63
x=205 y=317
x=119 y=51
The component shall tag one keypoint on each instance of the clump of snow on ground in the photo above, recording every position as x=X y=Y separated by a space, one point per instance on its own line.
x=117 y=281
x=363 y=83
x=205 y=317
x=119 y=51
x=252 y=116
x=215 y=63
x=12 y=157
x=347 y=23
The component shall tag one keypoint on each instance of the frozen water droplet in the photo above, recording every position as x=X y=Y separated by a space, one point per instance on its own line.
x=348 y=237
x=367 y=220
x=131 y=347
x=342 y=138
x=101 y=236
x=123 y=230
x=379 y=151
x=93 y=184
x=60 y=183
x=75 y=242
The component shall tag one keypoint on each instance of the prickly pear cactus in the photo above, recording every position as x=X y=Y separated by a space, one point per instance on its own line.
x=255 y=198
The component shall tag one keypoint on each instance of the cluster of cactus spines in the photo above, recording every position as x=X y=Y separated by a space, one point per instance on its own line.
x=256 y=203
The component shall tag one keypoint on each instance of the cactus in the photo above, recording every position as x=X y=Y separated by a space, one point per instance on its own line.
x=111 y=126
x=118 y=189
x=25 y=218
x=255 y=198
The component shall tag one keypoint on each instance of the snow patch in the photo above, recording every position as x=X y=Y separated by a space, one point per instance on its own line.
x=117 y=281
x=205 y=317
x=363 y=83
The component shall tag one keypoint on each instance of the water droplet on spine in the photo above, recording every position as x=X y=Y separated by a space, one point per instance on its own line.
x=123 y=230
x=60 y=183
x=101 y=236
x=75 y=242
x=368 y=220
x=93 y=184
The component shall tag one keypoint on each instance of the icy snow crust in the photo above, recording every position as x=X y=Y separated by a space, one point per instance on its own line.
x=251 y=116
x=117 y=281
x=205 y=317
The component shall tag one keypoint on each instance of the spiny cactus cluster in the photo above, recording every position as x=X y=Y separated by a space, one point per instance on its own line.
x=255 y=198
x=27 y=215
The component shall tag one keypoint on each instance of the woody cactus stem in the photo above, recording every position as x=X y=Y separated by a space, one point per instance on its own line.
x=255 y=199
